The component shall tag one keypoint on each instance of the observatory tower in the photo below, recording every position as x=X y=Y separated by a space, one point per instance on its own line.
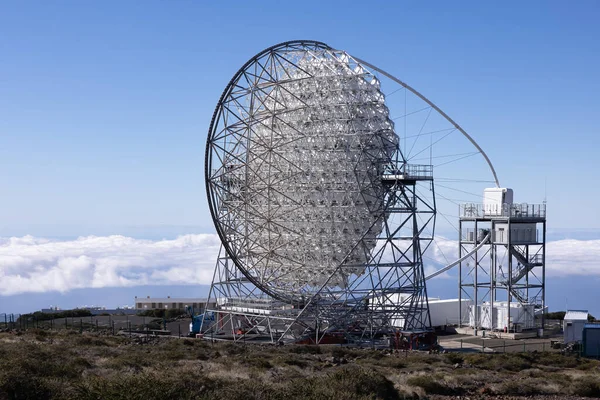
x=505 y=277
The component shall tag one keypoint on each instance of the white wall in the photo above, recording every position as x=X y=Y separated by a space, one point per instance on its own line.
x=573 y=330
x=520 y=233
x=497 y=318
x=442 y=312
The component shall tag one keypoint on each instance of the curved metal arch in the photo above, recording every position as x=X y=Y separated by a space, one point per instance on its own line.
x=436 y=108
x=208 y=153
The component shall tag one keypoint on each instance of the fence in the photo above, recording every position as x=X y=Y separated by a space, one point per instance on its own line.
x=111 y=324
x=500 y=345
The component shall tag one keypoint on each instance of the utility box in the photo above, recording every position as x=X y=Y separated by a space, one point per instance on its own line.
x=591 y=340
x=494 y=200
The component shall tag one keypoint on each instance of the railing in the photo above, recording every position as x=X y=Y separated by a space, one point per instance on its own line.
x=515 y=210
x=536 y=259
x=407 y=171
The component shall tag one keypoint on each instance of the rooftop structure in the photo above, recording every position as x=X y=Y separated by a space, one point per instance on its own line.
x=576 y=315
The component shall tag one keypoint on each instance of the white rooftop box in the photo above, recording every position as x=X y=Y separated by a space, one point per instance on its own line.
x=494 y=198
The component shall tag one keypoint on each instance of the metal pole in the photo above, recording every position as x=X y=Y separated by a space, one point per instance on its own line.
x=478 y=322
x=460 y=235
x=510 y=271
x=505 y=346
x=544 y=271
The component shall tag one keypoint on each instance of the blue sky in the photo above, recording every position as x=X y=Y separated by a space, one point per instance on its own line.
x=104 y=106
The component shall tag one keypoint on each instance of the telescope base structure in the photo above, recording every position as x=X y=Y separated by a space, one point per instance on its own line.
x=388 y=297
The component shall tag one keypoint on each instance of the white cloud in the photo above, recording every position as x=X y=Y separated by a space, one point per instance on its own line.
x=573 y=257
x=563 y=257
x=30 y=264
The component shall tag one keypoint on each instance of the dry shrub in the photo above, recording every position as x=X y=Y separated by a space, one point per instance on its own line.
x=257 y=362
x=497 y=362
x=524 y=387
x=296 y=362
x=587 y=386
x=305 y=349
x=557 y=378
x=349 y=382
x=145 y=386
x=90 y=341
x=454 y=358
x=432 y=384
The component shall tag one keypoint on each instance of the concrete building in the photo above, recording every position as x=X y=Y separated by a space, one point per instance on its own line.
x=573 y=325
x=169 y=303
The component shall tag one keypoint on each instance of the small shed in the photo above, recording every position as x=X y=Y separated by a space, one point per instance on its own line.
x=573 y=325
x=591 y=340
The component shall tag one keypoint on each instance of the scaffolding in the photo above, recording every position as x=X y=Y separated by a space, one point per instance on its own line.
x=506 y=278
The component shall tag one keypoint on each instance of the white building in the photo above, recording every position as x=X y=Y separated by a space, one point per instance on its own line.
x=442 y=312
x=169 y=303
x=573 y=325
x=522 y=316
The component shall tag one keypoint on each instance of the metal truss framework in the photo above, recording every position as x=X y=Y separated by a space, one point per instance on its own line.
x=390 y=294
x=510 y=265
x=321 y=220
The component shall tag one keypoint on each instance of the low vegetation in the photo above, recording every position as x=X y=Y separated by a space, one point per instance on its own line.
x=40 y=316
x=40 y=364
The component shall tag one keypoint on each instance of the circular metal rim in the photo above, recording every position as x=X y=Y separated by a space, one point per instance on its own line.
x=208 y=162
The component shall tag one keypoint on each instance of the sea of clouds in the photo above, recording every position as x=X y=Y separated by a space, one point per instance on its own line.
x=31 y=264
